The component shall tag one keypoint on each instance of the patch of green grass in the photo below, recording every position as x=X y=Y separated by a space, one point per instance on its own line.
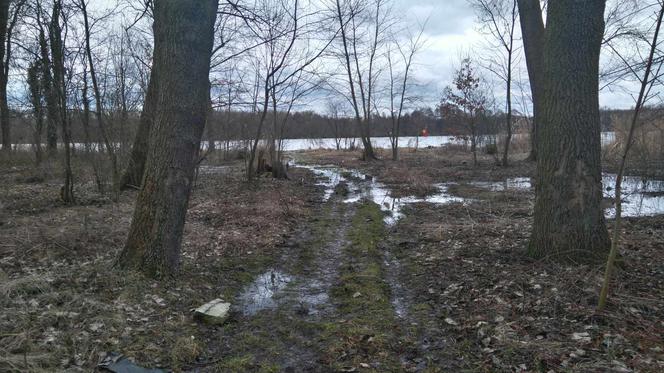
x=368 y=333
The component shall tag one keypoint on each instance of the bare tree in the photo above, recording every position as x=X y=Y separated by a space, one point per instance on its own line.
x=59 y=96
x=9 y=16
x=499 y=19
x=183 y=32
x=277 y=50
x=650 y=78
x=48 y=85
x=133 y=174
x=282 y=70
x=334 y=120
x=34 y=80
x=356 y=20
x=398 y=90
x=99 y=106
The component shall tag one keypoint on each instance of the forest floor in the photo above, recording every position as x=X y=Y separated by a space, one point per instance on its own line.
x=349 y=266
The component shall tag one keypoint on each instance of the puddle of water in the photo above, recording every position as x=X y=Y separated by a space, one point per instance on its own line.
x=398 y=300
x=260 y=294
x=640 y=197
x=517 y=183
x=331 y=177
x=362 y=186
x=380 y=195
x=313 y=295
x=273 y=288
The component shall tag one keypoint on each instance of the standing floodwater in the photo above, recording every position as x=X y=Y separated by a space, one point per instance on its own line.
x=260 y=294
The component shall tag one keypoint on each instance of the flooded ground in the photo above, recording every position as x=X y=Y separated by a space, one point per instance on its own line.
x=640 y=197
x=331 y=143
x=317 y=289
x=362 y=186
x=411 y=266
x=262 y=293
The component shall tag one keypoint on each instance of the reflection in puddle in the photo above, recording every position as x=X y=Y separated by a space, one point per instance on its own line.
x=517 y=183
x=313 y=296
x=273 y=288
x=331 y=177
x=640 y=197
x=362 y=186
x=379 y=194
x=259 y=295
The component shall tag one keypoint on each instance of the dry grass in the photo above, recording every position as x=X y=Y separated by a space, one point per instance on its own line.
x=647 y=151
x=64 y=305
x=520 y=144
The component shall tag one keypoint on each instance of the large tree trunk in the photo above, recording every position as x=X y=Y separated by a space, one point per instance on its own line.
x=133 y=175
x=35 y=94
x=4 y=109
x=184 y=31
x=52 y=113
x=532 y=29
x=568 y=219
x=60 y=93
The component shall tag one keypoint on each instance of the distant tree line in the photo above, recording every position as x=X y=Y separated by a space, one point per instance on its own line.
x=240 y=125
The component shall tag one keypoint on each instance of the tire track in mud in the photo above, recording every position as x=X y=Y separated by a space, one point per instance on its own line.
x=327 y=305
x=307 y=269
x=279 y=319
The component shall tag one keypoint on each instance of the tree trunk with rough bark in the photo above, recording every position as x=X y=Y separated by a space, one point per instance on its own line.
x=59 y=91
x=133 y=176
x=52 y=113
x=569 y=222
x=4 y=108
x=532 y=29
x=35 y=94
x=184 y=32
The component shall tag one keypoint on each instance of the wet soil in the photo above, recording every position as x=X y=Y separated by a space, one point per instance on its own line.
x=349 y=266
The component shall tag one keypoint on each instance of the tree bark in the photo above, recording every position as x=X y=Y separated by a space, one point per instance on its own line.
x=532 y=29
x=569 y=222
x=184 y=32
x=35 y=92
x=52 y=113
x=133 y=176
x=59 y=96
x=4 y=109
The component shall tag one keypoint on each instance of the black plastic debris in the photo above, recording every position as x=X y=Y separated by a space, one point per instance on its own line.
x=116 y=363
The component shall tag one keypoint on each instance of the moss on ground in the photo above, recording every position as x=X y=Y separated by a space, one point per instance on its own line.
x=368 y=335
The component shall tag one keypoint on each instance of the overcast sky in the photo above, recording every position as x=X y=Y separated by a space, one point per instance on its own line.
x=452 y=30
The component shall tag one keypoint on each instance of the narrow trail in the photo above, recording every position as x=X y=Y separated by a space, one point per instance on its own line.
x=326 y=305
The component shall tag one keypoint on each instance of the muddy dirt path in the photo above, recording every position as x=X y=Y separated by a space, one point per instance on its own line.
x=330 y=303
